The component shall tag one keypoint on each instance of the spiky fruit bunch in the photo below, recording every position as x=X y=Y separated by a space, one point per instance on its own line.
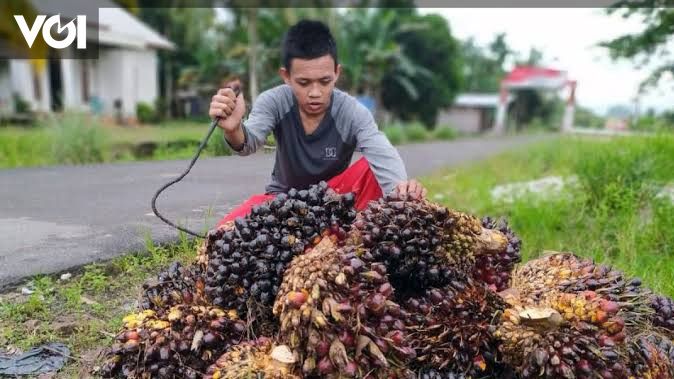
x=337 y=316
x=565 y=272
x=178 y=344
x=563 y=335
x=177 y=285
x=245 y=264
x=254 y=359
x=451 y=328
x=421 y=244
x=495 y=269
x=651 y=356
x=663 y=316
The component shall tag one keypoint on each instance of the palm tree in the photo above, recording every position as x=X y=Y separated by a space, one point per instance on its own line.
x=368 y=51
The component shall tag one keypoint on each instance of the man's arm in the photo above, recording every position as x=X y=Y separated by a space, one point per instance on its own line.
x=383 y=158
x=260 y=122
x=245 y=137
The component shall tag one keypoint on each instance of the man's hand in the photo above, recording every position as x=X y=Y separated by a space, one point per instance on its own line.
x=410 y=189
x=230 y=108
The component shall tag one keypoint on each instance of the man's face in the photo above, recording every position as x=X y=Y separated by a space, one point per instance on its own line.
x=312 y=81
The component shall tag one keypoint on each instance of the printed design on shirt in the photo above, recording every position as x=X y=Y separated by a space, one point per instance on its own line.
x=330 y=153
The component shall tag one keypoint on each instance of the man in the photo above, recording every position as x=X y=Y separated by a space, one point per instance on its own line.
x=316 y=126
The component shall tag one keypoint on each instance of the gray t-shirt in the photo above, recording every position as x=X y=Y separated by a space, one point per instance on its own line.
x=303 y=160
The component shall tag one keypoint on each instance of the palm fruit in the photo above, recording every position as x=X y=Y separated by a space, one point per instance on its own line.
x=495 y=269
x=566 y=272
x=422 y=244
x=178 y=344
x=451 y=328
x=206 y=248
x=564 y=335
x=440 y=374
x=651 y=356
x=663 y=316
x=177 y=285
x=245 y=263
x=254 y=359
x=338 y=318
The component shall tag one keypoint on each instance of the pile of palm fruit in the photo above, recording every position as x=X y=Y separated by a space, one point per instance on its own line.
x=307 y=287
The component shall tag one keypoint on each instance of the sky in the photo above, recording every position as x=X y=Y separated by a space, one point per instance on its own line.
x=568 y=38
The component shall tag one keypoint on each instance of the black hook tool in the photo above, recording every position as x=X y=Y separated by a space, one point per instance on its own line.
x=237 y=91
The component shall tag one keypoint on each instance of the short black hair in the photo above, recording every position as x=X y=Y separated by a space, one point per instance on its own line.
x=308 y=39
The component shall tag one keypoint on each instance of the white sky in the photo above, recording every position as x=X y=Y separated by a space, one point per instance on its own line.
x=568 y=38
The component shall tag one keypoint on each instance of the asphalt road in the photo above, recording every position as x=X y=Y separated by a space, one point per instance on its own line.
x=55 y=218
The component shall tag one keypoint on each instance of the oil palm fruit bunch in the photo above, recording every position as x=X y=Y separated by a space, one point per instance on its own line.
x=254 y=359
x=245 y=264
x=179 y=344
x=564 y=335
x=337 y=316
x=451 y=328
x=651 y=356
x=422 y=244
x=566 y=272
x=177 y=285
x=495 y=269
x=663 y=316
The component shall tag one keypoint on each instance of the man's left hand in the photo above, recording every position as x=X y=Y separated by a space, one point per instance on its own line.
x=410 y=189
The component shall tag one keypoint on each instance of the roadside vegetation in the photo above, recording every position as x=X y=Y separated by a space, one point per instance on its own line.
x=73 y=139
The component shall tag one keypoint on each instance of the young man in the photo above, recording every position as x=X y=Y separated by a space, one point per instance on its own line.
x=317 y=127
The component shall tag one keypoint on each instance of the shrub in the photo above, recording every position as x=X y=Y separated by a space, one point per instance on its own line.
x=416 y=133
x=21 y=105
x=146 y=113
x=77 y=139
x=217 y=145
x=444 y=133
x=395 y=134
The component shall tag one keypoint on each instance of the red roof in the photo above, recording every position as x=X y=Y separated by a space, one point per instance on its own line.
x=537 y=77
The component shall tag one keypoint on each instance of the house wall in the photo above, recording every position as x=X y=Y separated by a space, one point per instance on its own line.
x=22 y=83
x=467 y=120
x=6 y=102
x=126 y=74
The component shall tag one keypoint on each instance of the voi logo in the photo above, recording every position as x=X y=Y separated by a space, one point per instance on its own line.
x=78 y=31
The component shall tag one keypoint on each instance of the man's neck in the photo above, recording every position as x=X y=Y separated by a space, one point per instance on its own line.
x=310 y=122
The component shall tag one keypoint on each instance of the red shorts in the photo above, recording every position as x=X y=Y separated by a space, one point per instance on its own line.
x=358 y=178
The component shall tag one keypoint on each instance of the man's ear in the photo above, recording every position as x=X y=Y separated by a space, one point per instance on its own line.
x=338 y=71
x=284 y=74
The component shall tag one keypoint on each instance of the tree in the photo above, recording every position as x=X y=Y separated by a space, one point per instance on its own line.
x=192 y=32
x=481 y=73
x=369 y=50
x=652 y=41
x=433 y=49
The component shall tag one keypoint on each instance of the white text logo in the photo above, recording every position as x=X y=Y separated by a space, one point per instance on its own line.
x=78 y=31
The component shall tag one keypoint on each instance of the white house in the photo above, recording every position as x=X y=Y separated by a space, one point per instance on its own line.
x=125 y=73
x=471 y=112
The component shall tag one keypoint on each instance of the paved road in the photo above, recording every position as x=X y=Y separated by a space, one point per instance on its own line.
x=56 y=218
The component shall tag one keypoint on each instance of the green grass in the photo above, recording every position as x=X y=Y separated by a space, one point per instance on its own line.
x=79 y=139
x=612 y=217
x=91 y=304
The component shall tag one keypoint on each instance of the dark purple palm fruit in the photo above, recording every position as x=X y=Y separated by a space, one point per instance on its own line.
x=495 y=269
x=180 y=343
x=177 y=285
x=451 y=328
x=664 y=313
x=422 y=244
x=246 y=261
